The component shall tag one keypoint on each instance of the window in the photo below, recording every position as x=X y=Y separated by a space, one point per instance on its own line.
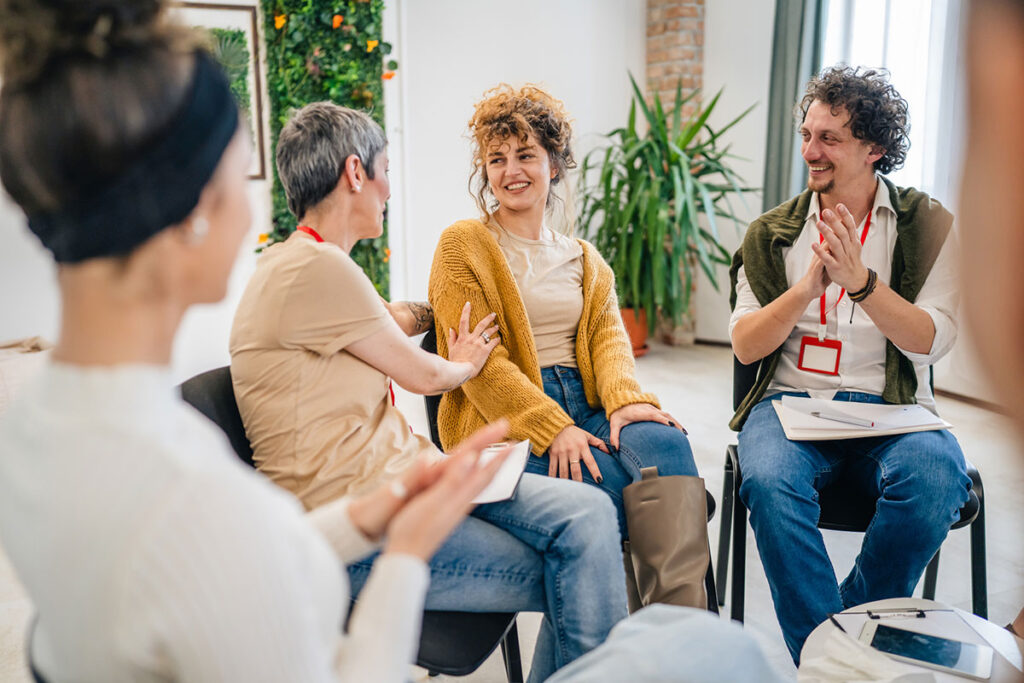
x=918 y=41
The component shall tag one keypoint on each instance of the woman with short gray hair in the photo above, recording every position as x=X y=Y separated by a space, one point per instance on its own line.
x=312 y=350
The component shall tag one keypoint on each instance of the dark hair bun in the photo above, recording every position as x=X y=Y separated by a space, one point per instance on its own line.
x=35 y=32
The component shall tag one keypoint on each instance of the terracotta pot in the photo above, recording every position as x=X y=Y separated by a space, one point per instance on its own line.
x=636 y=328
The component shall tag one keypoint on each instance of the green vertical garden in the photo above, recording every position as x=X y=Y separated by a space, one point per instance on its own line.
x=322 y=50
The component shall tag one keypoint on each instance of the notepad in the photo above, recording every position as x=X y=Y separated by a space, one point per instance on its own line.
x=506 y=479
x=795 y=414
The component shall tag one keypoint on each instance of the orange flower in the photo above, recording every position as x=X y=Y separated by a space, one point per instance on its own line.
x=279 y=21
x=262 y=239
x=387 y=254
x=370 y=44
x=337 y=20
x=388 y=75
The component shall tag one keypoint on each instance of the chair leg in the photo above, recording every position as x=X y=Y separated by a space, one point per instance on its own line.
x=979 y=576
x=739 y=560
x=510 y=653
x=709 y=588
x=724 y=531
x=931 y=575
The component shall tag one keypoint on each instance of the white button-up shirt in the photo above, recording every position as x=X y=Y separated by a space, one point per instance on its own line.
x=862 y=361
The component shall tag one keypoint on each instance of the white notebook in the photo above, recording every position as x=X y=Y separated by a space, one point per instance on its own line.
x=812 y=419
x=506 y=479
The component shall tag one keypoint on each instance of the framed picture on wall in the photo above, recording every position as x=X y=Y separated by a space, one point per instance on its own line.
x=235 y=38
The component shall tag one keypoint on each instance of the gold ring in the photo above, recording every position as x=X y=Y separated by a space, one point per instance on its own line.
x=574 y=462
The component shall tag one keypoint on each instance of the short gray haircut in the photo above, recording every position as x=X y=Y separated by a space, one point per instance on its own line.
x=313 y=146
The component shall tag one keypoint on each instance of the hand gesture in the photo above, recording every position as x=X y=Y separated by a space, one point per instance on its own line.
x=841 y=258
x=473 y=347
x=444 y=498
x=816 y=279
x=571 y=447
x=638 y=412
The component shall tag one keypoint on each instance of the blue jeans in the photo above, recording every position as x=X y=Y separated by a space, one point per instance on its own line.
x=920 y=480
x=641 y=444
x=549 y=549
x=670 y=643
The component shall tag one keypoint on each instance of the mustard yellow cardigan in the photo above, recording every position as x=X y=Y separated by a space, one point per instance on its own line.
x=470 y=266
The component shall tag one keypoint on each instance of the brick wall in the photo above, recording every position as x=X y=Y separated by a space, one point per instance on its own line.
x=675 y=46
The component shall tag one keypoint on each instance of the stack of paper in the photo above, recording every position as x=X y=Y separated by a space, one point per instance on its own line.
x=811 y=419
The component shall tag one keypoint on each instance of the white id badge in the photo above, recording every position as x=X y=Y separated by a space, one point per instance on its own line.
x=820 y=355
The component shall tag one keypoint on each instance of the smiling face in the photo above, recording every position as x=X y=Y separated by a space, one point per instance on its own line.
x=835 y=159
x=519 y=173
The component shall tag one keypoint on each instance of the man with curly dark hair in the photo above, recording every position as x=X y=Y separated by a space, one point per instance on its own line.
x=846 y=293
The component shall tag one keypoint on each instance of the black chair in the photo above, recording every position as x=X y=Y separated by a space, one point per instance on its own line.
x=432 y=403
x=451 y=643
x=841 y=510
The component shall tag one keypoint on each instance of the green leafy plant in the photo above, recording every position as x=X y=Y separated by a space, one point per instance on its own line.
x=229 y=49
x=643 y=214
x=326 y=50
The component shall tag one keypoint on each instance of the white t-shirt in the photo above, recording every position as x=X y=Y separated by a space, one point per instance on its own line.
x=862 y=361
x=151 y=553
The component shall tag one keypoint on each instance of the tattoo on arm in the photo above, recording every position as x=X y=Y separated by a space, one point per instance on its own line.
x=422 y=316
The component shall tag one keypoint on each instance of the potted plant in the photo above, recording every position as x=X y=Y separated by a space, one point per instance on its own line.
x=643 y=213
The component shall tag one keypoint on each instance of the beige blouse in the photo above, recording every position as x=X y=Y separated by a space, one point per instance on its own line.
x=319 y=419
x=549 y=273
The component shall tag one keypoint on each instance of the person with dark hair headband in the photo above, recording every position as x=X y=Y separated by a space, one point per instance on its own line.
x=148 y=550
x=993 y=179
x=846 y=292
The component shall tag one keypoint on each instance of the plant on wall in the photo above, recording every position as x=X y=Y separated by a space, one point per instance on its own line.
x=230 y=51
x=324 y=50
x=643 y=214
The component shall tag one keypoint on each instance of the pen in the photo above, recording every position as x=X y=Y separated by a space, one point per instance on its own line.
x=848 y=419
x=836 y=623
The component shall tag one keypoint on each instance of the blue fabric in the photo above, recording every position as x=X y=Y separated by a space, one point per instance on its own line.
x=550 y=549
x=920 y=480
x=670 y=643
x=641 y=444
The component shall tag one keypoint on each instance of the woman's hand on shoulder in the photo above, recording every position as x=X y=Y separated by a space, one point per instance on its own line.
x=638 y=412
x=569 y=449
x=473 y=347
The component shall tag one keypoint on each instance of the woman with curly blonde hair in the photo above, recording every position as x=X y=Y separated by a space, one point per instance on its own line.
x=563 y=372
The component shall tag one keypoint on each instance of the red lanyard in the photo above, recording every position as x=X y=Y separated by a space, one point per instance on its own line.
x=311 y=232
x=821 y=238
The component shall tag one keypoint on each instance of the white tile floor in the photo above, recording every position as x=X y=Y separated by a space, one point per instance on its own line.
x=695 y=385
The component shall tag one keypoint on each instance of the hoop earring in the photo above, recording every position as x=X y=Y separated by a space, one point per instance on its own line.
x=198 y=229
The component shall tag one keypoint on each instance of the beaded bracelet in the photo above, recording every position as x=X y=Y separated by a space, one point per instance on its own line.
x=859 y=296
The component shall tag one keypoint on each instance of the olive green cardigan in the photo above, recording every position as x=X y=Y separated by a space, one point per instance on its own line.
x=921 y=228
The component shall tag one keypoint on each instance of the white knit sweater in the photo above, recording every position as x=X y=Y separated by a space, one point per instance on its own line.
x=152 y=554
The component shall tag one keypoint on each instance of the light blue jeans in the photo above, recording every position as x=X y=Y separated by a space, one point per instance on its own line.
x=669 y=643
x=920 y=480
x=641 y=444
x=552 y=548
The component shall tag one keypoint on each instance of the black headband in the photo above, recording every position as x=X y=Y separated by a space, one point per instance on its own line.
x=160 y=188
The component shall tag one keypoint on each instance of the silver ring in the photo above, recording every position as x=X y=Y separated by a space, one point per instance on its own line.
x=486 y=337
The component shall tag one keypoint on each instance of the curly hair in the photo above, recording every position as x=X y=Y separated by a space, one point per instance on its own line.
x=878 y=114
x=506 y=111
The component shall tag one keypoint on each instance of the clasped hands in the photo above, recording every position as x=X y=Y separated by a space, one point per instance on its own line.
x=570 y=449
x=420 y=508
x=837 y=257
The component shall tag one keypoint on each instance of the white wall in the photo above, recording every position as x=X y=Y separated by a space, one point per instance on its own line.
x=737 y=56
x=449 y=53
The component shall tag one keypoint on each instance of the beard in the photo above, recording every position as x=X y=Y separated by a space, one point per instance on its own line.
x=821 y=187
